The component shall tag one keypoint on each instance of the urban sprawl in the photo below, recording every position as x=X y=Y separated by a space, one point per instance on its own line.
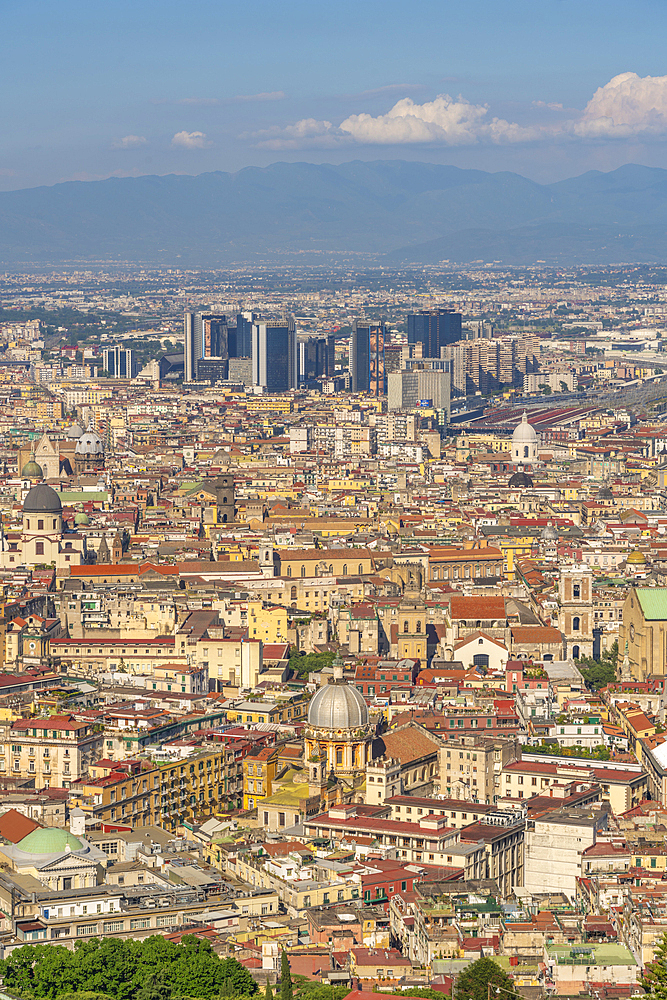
x=334 y=620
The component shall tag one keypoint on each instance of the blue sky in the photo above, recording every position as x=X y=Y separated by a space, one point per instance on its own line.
x=548 y=88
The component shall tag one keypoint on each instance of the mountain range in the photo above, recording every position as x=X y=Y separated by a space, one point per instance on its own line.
x=393 y=211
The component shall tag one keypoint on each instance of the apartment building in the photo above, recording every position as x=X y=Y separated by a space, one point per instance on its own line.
x=470 y=767
x=554 y=847
x=623 y=787
x=140 y=794
x=57 y=751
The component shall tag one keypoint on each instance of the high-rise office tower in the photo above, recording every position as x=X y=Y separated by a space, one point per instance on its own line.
x=243 y=345
x=330 y=366
x=119 y=362
x=367 y=362
x=205 y=336
x=434 y=329
x=316 y=358
x=274 y=356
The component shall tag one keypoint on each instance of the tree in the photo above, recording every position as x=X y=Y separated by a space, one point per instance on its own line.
x=286 y=991
x=563 y=386
x=473 y=983
x=654 y=980
x=598 y=673
x=303 y=663
x=152 y=969
x=268 y=992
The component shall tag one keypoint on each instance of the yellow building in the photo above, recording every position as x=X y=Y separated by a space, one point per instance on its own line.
x=644 y=629
x=253 y=712
x=267 y=623
x=259 y=771
x=325 y=562
x=270 y=404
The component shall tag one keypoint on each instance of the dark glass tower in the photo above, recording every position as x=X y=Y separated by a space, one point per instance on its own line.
x=434 y=329
x=367 y=362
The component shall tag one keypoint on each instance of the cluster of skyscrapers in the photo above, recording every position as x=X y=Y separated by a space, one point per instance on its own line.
x=253 y=352
x=440 y=356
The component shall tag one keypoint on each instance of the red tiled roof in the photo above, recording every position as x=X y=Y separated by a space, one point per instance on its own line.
x=536 y=633
x=477 y=607
x=14 y=826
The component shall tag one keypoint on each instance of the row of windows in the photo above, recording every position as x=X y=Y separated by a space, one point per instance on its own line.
x=360 y=570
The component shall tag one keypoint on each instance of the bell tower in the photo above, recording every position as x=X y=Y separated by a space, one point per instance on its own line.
x=575 y=616
x=225 y=498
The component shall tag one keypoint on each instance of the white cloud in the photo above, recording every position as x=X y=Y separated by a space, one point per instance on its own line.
x=205 y=102
x=272 y=95
x=629 y=105
x=626 y=106
x=445 y=121
x=454 y=122
x=130 y=142
x=190 y=140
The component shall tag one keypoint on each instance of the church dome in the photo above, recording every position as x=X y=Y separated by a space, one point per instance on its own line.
x=524 y=433
x=31 y=470
x=42 y=500
x=521 y=478
x=81 y=518
x=604 y=493
x=337 y=706
x=549 y=533
x=90 y=443
x=74 y=432
x=51 y=840
x=636 y=558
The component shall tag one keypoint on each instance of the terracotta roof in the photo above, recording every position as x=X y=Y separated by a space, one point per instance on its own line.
x=407 y=743
x=536 y=633
x=14 y=826
x=477 y=607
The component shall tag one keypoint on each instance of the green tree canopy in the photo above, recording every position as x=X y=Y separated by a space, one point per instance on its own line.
x=654 y=979
x=598 y=673
x=286 y=991
x=151 y=969
x=473 y=983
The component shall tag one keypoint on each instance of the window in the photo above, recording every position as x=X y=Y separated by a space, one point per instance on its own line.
x=406 y=626
x=40 y=524
x=576 y=623
x=576 y=590
x=39 y=548
x=84 y=929
x=418 y=628
x=113 y=926
x=140 y=923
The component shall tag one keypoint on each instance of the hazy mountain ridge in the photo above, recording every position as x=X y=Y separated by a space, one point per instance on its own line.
x=409 y=211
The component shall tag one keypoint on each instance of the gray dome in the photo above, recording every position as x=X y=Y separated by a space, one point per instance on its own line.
x=521 y=478
x=549 y=533
x=74 y=432
x=42 y=500
x=337 y=706
x=89 y=443
x=604 y=493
